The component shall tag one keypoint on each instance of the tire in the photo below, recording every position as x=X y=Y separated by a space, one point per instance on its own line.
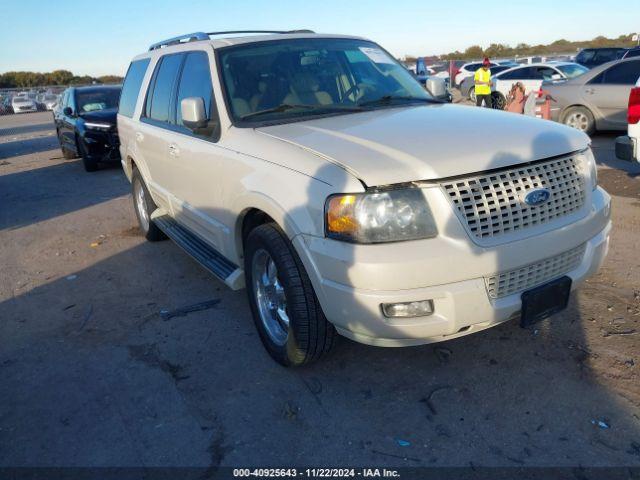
x=498 y=102
x=142 y=201
x=579 y=118
x=90 y=165
x=472 y=94
x=66 y=153
x=306 y=335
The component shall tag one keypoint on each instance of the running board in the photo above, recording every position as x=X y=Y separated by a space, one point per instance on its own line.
x=199 y=250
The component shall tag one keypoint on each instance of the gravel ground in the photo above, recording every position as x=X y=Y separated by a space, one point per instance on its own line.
x=93 y=375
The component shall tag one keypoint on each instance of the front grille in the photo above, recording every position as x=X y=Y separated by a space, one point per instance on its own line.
x=492 y=204
x=534 y=274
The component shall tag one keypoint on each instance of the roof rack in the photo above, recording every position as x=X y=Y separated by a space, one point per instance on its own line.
x=198 y=36
x=189 y=37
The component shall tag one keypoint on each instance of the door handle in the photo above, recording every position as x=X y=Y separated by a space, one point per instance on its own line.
x=174 y=151
x=589 y=91
x=139 y=137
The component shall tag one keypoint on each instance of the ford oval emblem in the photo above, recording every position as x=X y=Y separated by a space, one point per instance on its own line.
x=537 y=197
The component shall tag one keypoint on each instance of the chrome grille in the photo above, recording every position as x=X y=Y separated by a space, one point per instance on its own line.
x=492 y=204
x=534 y=274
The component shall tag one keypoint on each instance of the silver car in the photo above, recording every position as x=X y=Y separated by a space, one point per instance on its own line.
x=596 y=100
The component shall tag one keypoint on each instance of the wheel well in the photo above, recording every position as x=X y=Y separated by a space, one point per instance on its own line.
x=250 y=220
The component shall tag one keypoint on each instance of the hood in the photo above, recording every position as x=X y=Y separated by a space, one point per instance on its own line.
x=108 y=115
x=397 y=145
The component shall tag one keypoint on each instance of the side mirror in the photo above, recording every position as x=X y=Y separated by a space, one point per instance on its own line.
x=67 y=111
x=436 y=86
x=193 y=113
x=556 y=76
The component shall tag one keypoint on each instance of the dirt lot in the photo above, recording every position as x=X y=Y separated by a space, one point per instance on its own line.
x=93 y=375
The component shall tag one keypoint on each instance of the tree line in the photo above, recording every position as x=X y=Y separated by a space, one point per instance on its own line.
x=57 y=77
x=499 y=50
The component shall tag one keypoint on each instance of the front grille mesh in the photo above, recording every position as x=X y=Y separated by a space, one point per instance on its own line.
x=534 y=274
x=492 y=204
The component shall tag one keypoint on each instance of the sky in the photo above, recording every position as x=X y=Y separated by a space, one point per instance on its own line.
x=100 y=38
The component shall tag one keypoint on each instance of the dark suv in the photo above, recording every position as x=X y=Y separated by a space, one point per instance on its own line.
x=592 y=57
x=86 y=124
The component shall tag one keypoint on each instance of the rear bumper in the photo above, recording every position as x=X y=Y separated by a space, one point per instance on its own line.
x=352 y=299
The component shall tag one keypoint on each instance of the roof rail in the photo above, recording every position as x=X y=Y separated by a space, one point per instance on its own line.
x=260 y=31
x=190 y=37
x=197 y=36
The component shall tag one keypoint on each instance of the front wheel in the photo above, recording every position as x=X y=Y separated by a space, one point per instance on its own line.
x=472 y=94
x=90 y=165
x=285 y=308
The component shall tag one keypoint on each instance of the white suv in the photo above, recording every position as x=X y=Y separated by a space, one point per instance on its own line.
x=317 y=172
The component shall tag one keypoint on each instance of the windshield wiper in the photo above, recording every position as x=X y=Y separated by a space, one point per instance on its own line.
x=389 y=99
x=290 y=106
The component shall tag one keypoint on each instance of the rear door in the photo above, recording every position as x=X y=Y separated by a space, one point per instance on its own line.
x=607 y=94
x=152 y=133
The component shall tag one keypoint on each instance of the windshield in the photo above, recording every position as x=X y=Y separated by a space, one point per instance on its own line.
x=93 y=100
x=572 y=71
x=296 y=79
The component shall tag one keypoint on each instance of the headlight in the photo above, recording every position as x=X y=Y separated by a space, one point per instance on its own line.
x=97 y=126
x=590 y=164
x=390 y=216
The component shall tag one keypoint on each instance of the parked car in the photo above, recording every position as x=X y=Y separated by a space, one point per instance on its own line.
x=627 y=147
x=316 y=171
x=23 y=104
x=467 y=89
x=86 y=124
x=467 y=70
x=598 y=99
x=592 y=57
x=531 y=77
x=5 y=106
x=49 y=101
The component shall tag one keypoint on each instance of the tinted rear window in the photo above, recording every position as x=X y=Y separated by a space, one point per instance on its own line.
x=131 y=86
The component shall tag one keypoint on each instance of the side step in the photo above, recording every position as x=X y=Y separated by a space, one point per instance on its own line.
x=202 y=252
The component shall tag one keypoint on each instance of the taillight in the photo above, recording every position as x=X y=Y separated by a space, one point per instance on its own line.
x=633 y=114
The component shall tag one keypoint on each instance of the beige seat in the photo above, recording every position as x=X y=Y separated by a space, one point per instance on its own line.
x=305 y=90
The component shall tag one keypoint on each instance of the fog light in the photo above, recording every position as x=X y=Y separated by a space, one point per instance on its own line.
x=408 y=309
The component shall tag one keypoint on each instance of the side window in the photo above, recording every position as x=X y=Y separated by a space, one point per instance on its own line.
x=159 y=94
x=518 y=74
x=545 y=73
x=195 y=81
x=633 y=53
x=622 y=74
x=606 y=55
x=131 y=86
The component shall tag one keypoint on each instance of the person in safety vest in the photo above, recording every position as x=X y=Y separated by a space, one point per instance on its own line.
x=482 y=82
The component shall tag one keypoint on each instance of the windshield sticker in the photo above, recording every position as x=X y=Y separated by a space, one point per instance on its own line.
x=376 y=55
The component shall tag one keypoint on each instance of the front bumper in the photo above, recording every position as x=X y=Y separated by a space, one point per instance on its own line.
x=102 y=146
x=352 y=301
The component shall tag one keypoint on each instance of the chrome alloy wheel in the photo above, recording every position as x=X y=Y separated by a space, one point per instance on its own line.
x=141 y=205
x=270 y=297
x=577 y=120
